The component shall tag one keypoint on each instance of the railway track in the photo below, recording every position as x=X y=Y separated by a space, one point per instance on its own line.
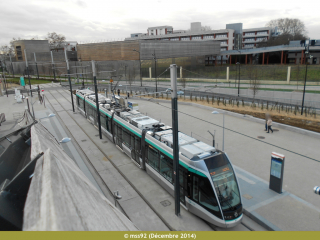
x=247 y=224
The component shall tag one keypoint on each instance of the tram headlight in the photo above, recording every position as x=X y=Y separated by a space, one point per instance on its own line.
x=316 y=190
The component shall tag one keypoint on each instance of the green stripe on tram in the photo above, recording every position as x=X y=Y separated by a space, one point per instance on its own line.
x=157 y=147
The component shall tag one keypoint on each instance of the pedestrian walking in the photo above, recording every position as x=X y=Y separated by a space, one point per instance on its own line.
x=269 y=125
x=267 y=118
x=119 y=92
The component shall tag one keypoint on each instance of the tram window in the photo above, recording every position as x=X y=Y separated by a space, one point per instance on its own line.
x=137 y=144
x=207 y=197
x=102 y=120
x=166 y=167
x=153 y=157
x=107 y=124
x=78 y=101
x=195 y=189
x=126 y=138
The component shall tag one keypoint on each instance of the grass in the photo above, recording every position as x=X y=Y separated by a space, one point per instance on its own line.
x=265 y=72
x=33 y=81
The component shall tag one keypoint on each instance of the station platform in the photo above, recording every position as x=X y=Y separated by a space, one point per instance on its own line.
x=296 y=209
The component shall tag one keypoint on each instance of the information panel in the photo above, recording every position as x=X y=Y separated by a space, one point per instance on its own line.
x=276 y=166
x=276 y=172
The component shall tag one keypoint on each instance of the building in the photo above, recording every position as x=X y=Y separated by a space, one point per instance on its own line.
x=31 y=47
x=233 y=37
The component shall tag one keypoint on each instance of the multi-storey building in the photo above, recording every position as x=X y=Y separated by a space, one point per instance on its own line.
x=233 y=37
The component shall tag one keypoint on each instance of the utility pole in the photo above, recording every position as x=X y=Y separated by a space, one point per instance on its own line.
x=65 y=54
x=25 y=55
x=35 y=60
x=305 y=77
x=174 y=106
x=155 y=68
x=11 y=64
x=53 y=68
x=96 y=93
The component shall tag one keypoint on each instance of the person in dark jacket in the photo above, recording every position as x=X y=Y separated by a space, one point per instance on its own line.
x=119 y=92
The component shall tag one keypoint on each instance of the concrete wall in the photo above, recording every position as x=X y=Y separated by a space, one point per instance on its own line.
x=175 y=49
x=109 y=51
x=31 y=46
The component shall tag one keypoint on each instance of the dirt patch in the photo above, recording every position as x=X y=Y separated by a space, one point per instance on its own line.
x=285 y=116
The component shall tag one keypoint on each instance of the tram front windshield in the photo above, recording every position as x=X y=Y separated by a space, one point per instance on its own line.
x=224 y=181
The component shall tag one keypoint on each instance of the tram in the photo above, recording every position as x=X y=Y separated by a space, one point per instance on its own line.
x=208 y=184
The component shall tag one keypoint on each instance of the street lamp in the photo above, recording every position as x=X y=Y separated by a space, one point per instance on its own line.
x=216 y=112
x=155 y=68
x=239 y=72
x=49 y=116
x=140 y=66
x=305 y=77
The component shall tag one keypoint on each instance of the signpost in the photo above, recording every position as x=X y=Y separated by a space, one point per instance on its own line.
x=276 y=172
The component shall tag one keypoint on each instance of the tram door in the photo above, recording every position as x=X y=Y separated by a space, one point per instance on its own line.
x=119 y=136
x=135 y=152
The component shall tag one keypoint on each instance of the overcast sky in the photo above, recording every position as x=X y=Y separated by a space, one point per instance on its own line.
x=97 y=20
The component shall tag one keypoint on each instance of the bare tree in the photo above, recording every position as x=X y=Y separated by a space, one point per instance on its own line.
x=205 y=28
x=55 y=40
x=255 y=83
x=292 y=26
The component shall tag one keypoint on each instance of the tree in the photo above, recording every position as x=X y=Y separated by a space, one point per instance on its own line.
x=206 y=28
x=55 y=40
x=255 y=83
x=290 y=26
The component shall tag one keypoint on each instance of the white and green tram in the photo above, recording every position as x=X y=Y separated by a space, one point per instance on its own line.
x=208 y=185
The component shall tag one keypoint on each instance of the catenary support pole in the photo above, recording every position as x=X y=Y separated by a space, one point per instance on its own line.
x=223 y=134
x=174 y=106
x=304 y=88
x=65 y=54
x=53 y=67
x=25 y=55
x=11 y=65
x=35 y=60
x=96 y=93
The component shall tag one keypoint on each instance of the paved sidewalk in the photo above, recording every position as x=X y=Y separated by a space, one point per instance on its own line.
x=297 y=208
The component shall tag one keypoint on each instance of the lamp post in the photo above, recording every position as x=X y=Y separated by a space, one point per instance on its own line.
x=239 y=72
x=11 y=64
x=305 y=77
x=53 y=68
x=216 y=112
x=174 y=106
x=155 y=68
x=25 y=54
x=65 y=54
x=35 y=60
x=140 y=66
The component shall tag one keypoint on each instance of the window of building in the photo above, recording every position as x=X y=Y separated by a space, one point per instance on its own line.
x=196 y=38
x=208 y=37
x=174 y=39
x=262 y=33
x=221 y=35
x=185 y=39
